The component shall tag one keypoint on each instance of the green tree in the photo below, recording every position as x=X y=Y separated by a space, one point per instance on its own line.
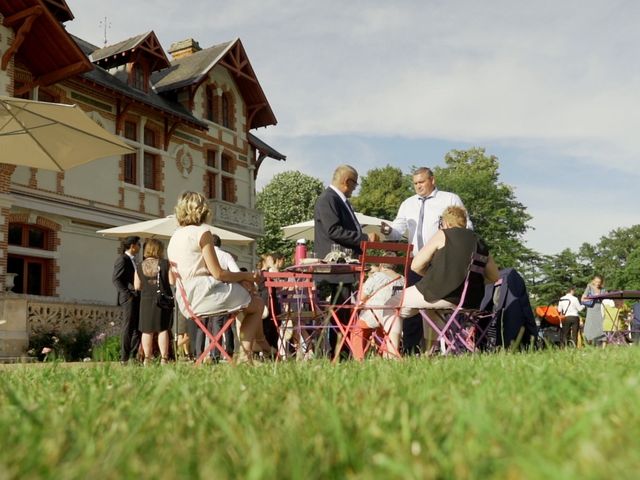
x=288 y=198
x=382 y=190
x=496 y=214
x=557 y=273
x=615 y=257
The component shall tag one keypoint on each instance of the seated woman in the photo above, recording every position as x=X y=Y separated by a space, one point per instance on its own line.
x=382 y=283
x=443 y=263
x=209 y=288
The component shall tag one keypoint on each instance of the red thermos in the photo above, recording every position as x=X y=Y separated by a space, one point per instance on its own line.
x=301 y=251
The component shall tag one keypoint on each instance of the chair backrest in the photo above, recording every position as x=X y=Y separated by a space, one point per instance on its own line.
x=477 y=266
x=374 y=253
x=180 y=291
x=611 y=319
x=292 y=289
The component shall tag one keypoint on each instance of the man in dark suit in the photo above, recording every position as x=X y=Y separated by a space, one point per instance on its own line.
x=123 y=274
x=336 y=223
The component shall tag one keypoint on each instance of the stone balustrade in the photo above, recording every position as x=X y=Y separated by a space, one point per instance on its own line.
x=22 y=316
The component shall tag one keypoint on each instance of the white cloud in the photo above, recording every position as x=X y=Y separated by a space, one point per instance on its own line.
x=560 y=79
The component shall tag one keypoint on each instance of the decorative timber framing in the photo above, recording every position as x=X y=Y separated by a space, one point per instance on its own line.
x=27 y=16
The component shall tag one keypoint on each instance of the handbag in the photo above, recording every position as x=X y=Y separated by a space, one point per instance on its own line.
x=164 y=301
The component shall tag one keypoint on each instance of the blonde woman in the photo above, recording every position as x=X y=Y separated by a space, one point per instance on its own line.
x=443 y=263
x=153 y=319
x=209 y=288
x=593 y=331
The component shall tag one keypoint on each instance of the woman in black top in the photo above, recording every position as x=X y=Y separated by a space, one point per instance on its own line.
x=443 y=263
x=153 y=319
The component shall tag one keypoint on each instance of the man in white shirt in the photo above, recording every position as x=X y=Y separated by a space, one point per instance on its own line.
x=419 y=217
x=570 y=306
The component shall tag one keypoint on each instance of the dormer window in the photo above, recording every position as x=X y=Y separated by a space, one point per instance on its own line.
x=226 y=111
x=219 y=108
x=138 y=77
x=211 y=107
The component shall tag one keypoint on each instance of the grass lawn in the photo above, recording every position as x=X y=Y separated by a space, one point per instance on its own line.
x=554 y=414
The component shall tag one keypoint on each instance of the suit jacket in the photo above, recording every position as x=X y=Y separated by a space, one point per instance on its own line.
x=335 y=224
x=123 y=272
x=512 y=307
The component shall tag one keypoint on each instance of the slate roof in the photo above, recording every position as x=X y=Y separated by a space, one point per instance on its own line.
x=265 y=148
x=123 y=46
x=102 y=77
x=190 y=69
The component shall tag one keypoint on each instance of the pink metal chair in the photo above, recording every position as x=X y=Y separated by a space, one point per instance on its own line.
x=464 y=328
x=294 y=309
x=360 y=337
x=214 y=340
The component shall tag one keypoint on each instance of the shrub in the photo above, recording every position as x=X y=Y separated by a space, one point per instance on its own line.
x=106 y=349
x=70 y=346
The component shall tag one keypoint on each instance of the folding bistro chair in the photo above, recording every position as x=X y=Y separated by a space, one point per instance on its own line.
x=358 y=335
x=214 y=340
x=293 y=307
x=465 y=327
x=613 y=326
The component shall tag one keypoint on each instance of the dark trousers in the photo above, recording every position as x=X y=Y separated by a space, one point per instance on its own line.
x=412 y=329
x=570 y=326
x=130 y=339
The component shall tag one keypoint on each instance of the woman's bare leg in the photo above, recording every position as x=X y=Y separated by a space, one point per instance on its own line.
x=163 y=344
x=147 y=345
x=251 y=323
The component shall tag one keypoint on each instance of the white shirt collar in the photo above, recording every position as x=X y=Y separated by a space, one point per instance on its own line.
x=340 y=194
x=431 y=195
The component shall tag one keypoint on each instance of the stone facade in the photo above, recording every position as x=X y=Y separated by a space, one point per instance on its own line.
x=67 y=208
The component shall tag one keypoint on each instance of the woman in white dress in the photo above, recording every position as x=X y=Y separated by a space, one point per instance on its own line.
x=211 y=290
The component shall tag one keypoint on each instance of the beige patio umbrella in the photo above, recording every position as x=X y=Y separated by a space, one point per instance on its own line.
x=52 y=136
x=305 y=229
x=164 y=228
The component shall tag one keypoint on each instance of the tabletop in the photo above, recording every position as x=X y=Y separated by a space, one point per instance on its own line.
x=326 y=268
x=621 y=294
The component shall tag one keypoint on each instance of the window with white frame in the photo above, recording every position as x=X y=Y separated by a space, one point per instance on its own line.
x=142 y=167
x=219 y=179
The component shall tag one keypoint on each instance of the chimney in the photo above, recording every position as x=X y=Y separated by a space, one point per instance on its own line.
x=184 y=48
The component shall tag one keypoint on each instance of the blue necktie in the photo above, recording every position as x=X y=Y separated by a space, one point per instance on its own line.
x=420 y=222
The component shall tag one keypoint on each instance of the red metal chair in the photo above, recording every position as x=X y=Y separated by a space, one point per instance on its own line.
x=294 y=309
x=360 y=337
x=214 y=340
x=464 y=328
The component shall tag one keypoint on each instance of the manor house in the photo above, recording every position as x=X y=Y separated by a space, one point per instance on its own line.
x=188 y=115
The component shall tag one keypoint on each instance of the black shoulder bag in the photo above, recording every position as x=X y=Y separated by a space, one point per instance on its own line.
x=163 y=300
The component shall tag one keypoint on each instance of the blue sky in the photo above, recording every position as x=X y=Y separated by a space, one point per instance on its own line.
x=549 y=87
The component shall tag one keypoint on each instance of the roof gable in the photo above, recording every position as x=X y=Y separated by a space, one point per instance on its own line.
x=145 y=44
x=41 y=43
x=194 y=69
x=60 y=9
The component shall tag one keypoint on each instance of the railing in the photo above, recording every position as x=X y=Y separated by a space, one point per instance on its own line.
x=66 y=317
x=22 y=316
x=243 y=220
